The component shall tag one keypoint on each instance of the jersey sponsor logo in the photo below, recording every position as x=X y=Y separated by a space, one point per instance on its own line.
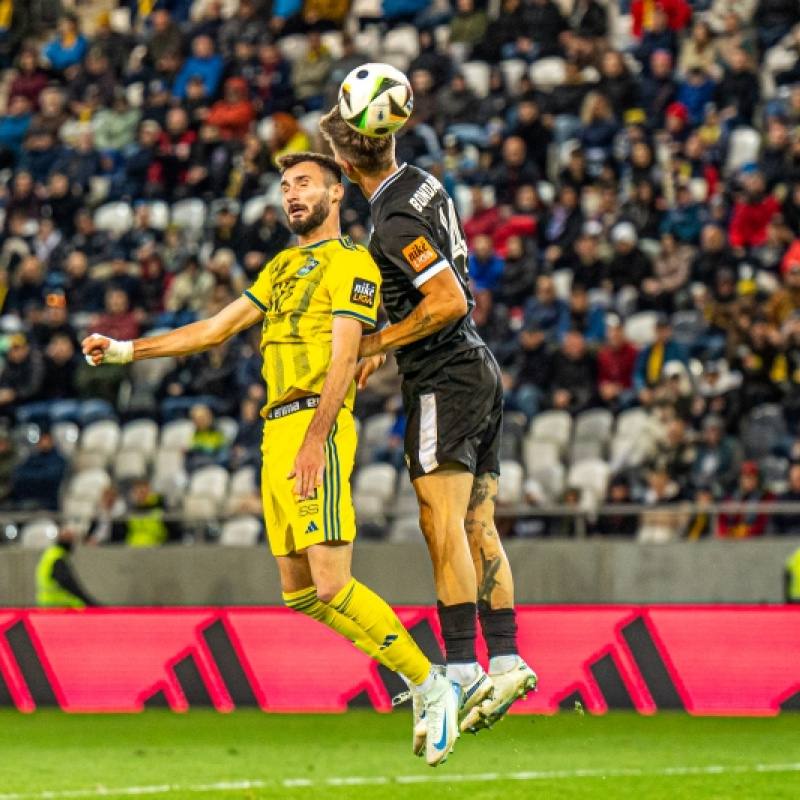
x=420 y=254
x=307 y=267
x=363 y=293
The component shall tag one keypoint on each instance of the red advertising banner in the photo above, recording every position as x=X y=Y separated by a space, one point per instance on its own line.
x=702 y=659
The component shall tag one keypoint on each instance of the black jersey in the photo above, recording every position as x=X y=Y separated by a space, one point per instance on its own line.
x=416 y=235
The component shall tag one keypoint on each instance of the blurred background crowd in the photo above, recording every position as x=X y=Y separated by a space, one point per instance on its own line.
x=628 y=176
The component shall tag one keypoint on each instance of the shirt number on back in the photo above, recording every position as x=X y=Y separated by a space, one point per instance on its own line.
x=458 y=247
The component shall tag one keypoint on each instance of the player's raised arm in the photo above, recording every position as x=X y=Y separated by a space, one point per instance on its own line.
x=185 y=341
x=443 y=303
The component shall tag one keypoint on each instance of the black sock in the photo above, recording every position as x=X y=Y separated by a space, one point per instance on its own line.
x=499 y=626
x=458 y=632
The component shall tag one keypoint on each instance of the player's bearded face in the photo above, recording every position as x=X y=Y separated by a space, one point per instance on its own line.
x=304 y=219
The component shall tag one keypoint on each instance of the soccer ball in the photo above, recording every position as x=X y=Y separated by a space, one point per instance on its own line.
x=375 y=99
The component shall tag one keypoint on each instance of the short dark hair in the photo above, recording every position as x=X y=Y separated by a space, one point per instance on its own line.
x=368 y=154
x=326 y=163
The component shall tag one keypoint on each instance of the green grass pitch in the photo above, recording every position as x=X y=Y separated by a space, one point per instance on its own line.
x=360 y=755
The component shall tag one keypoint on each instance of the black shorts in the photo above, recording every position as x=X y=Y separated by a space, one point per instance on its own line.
x=454 y=414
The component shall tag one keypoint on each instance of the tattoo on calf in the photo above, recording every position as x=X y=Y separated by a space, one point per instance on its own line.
x=490 y=567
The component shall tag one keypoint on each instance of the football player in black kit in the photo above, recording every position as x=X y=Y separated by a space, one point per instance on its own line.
x=453 y=401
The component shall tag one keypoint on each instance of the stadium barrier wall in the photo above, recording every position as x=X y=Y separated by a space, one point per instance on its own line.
x=554 y=571
x=704 y=660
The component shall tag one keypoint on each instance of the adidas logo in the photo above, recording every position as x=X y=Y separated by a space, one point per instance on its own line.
x=312 y=527
x=388 y=640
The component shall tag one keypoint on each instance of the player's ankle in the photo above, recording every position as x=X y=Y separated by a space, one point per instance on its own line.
x=463 y=673
x=500 y=664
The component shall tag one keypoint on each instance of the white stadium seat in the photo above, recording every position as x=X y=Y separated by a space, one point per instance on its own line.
x=552 y=426
x=293 y=47
x=240 y=532
x=591 y=474
x=509 y=486
x=243 y=481
x=538 y=453
x=66 y=435
x=476 y=74
x=159 y=214
x=190 y=215
x=377 y=479
x=596 y=423
x=210 y=482
x=640 y=329
x=101 y=437
x=115 y=218
x=39 y=534
x=403 y=39
x=177 y=434
x=513 y=69
x=130 y=464
x=141 y=435
x=200 y=506
x=89 y=483
x=547 y=73
x=743 y=148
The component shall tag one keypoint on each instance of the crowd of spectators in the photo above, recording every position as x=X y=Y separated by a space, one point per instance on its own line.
x=599 y=174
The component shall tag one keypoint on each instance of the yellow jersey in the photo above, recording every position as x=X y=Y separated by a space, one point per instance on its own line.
x=300 y=292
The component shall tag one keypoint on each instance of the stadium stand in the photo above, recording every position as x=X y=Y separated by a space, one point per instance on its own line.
x=635 y=178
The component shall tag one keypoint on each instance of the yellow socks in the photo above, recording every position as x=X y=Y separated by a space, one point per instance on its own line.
x=396 y=648
x=358 y=614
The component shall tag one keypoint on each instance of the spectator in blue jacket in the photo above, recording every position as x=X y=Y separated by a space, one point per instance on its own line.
x=69 y=48
x=545 y=311
x=581 y=315
x=649 y=369
x=37 y=479
x=203 y=62
x=485 y=266
x=696 y=92
x=14 y=125
x=685 y=219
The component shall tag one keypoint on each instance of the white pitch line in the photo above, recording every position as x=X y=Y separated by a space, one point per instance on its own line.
x=378 y=780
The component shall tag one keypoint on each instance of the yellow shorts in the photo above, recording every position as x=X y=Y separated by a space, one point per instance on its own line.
x=328 y=516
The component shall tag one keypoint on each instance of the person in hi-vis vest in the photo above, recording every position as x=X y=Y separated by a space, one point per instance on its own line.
x=792 y=578
x=56 y=583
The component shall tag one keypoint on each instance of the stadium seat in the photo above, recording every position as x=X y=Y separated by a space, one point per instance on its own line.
x=89 y=484
x=368 y=41
x=95 y=410
x=622 y=38
x=378 y=480
x=171 y=484
x=229 y=427
x=240 y=532
x=764 y=429
x=76 y=509
x=66 y=435
x=582 y=449
x=370 y=9
x=562 y=282
x=333 y=41
x=743 y=148
x=310 y=123
x=159 y=214
x=141 y=435
x=631 y=423
x=177 y=434
x=398 y=60
x=253 y=209
x=114 y=218
x=120 y=20
x=547 y=73
x=513 y=69
x=134 y=93
x=369 y=508
x=190 y=216
x=462 y=197
x=39 y=534
x=539 y=453
x=266 y=129
x=101 y=437
x=552 y=426
x=200 y=506
x=594 y=424
x=509 y=486
x=688 y=327
x=293 y=47
x=774 y=473
x=375 y=435
x=551 y=479
x=476 y=74
x=405 y=529
x=442 y=35
x=210 y=482
x=592 y=475
x=640 y=329
x=403 y=39
x=129 y=464
x=243 y=481
x=64 y=411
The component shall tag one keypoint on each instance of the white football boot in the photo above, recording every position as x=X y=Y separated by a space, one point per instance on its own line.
x=441 y=704
x=473 y=694
x=508 y=688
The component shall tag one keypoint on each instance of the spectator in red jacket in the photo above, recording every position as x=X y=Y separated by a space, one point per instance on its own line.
x=484 y=218
x=752 y=214
x=118 y=318
x=234 y=113
x=31 y=79
x=746 y=522
x=615 y=363
x=677 y=12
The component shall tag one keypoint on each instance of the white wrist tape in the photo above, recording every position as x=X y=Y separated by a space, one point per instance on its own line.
x=117 y=352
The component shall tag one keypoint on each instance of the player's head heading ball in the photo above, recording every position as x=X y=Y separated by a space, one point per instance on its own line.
x=355 y=153
x=311 y=185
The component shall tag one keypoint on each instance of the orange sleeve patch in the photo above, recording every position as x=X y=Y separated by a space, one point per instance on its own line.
x=420 y=254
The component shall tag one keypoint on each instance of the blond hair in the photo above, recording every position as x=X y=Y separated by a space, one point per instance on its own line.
x=369 y=155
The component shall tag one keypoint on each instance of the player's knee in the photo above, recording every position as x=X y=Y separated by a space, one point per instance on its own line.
x=327 y=590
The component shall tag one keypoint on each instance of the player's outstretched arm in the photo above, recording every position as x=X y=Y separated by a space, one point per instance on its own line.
x=443 y=303
x=310 y=461
x=185 y=341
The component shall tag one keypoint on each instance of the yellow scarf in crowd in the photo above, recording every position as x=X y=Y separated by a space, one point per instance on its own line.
x=146 y=7
x=654 y=363
x=6 y=12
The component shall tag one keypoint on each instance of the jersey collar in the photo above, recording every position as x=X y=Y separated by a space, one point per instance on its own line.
x=386 y=181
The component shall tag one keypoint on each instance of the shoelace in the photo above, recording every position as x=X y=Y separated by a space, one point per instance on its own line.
x=401 y=698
